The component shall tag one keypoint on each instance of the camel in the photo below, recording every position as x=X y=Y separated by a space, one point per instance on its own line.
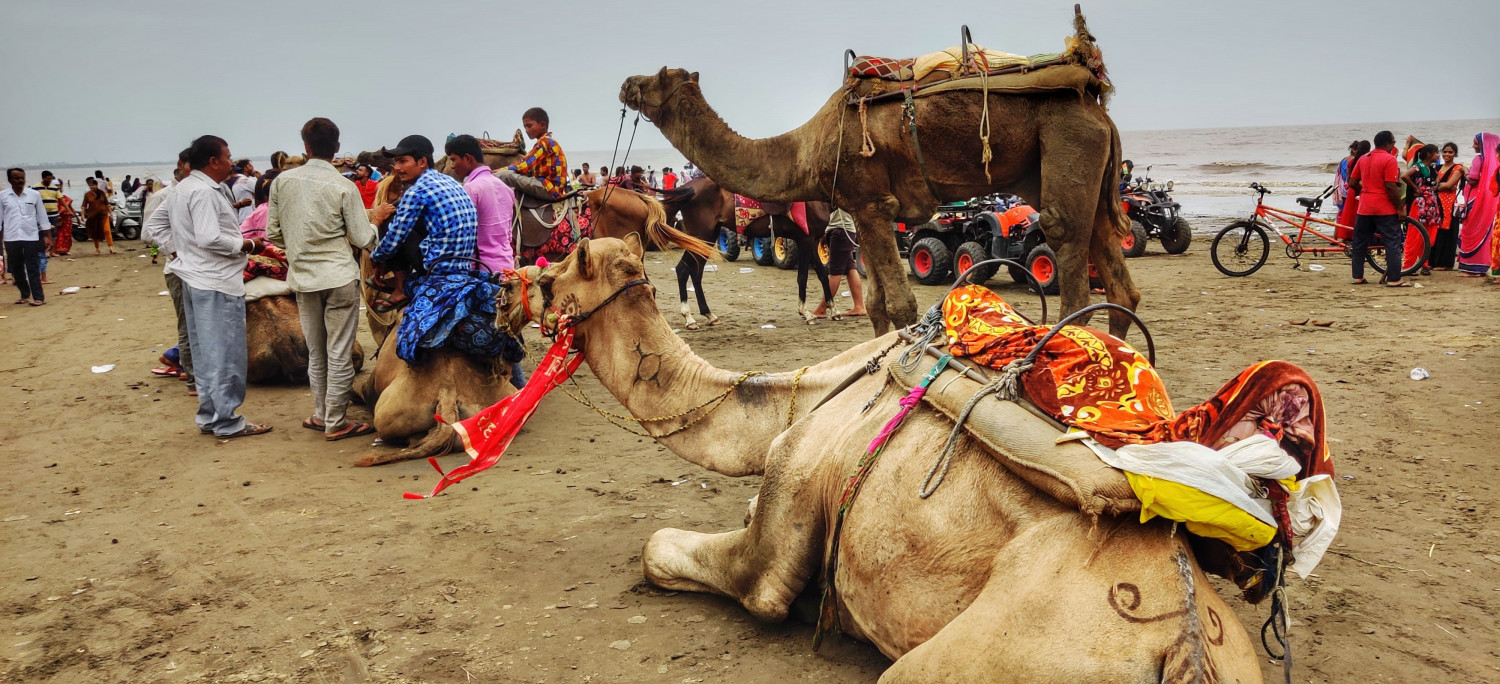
x=273 y=339
x=707 y=208
x=989 y=579
x=1058 y=150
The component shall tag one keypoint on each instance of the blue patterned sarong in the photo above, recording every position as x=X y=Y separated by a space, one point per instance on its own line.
x=455 y=310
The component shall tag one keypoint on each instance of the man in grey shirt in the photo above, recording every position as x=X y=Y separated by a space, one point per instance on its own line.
x=316 y=214
x=158 y=231
x=211 y=256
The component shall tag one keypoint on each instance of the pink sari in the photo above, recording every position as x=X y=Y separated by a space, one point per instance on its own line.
x=1474 y=238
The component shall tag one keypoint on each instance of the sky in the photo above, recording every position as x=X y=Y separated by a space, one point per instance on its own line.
x=104 y=81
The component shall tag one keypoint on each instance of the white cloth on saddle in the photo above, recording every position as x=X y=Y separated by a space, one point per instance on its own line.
x=1314 y=506
x=261 y=286
x=948 y=60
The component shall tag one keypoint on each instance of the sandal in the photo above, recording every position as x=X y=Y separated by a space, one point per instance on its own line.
x=36 y=302
x=1399 y=283
x=250 y=430
x=389 y=304
x=23 y=301
x=1361 y=281
x=375 y=283
x=166 y=372
x=350 y=430
x=312 y=425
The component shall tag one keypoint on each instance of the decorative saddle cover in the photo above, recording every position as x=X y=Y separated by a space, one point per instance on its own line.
x=747 y=210
x=540 y=221
x=949 y=61
x=557 y=238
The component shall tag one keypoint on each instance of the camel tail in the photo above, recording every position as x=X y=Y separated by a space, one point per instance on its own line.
x=441 y=439
x=1187 y=660
x=1109 y=195
x=661 y=234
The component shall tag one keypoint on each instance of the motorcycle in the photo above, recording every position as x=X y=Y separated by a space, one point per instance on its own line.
x=1152 y=214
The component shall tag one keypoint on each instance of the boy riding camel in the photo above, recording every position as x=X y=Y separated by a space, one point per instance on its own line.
x=543 y=174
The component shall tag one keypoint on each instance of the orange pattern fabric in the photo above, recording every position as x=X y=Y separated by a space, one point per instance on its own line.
x=1083 y=377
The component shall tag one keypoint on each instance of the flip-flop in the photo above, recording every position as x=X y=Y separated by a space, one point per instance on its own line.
x=23 y=301
x=1361 y=281
x=309 y=424
x=250 y=430
x=355 y=430
x=1400 y=284
x=35 y=303
x=167 y=372
x=853 y=315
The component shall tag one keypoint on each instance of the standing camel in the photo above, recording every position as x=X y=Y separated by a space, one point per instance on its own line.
x=707 y=208
x=989 y=579
x=1056 y=148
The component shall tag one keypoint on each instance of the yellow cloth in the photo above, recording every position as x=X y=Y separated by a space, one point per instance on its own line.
x=949 y=59
x=1204 y=514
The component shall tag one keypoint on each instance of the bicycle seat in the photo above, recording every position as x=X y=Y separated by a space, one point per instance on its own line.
x=1310 y=202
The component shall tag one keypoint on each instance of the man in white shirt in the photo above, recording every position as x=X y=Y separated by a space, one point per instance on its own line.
x=27 y=232
x=316 y=214
x=211 y=257
x=157 y=230
x=241 y=187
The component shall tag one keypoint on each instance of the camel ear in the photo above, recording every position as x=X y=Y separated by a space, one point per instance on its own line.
x=633 y=243
x=693 y=77
x=581 y=253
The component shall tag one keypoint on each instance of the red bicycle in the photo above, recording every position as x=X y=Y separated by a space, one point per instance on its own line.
x=1243 y=246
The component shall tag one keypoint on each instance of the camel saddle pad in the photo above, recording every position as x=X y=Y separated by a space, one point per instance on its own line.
x=1055 y=78
x=1025 y=443
x=538 y=220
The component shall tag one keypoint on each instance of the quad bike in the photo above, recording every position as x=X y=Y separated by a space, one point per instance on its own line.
x=1152 y=214
x=966 y=233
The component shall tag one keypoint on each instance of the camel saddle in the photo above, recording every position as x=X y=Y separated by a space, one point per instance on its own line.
x=1025 y=442
x=539 y=218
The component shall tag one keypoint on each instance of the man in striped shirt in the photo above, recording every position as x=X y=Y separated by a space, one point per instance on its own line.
x=543 y=174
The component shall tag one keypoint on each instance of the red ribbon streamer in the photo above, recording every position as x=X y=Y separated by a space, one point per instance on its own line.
x=488 y=433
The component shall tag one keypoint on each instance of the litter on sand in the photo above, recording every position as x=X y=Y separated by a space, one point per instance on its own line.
x=103 y=369
x=711 y=268
x=746 y=269
x=768 y=326
x=70 y=290
x=1420 y=374
x=1317 y=267
x=164 y=293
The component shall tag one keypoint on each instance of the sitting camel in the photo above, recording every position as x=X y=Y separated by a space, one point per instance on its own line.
x=989 y=579
x=707 y=208
x=1046 y=139
x=275 y=344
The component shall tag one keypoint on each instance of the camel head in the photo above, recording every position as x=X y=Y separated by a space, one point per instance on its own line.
x=520 y=300
x=647 y=94
x=599 y=274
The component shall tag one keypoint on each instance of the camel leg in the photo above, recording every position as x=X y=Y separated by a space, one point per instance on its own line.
x=810 y=250
x=1119 y=288
x=889 y=299
x=683 y=270
x=1072 y=162
x=763 y=566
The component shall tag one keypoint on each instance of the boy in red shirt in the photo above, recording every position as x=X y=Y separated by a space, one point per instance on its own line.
x=1376 y=180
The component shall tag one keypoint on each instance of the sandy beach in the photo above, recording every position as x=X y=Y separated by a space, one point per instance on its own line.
x=140 y=550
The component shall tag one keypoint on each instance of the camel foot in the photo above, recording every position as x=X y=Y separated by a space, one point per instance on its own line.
x=666 y=560
x=384 y=456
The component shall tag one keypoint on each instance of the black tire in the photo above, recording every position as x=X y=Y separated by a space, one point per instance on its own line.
x=760 y=248
x=784 y=253
x=1176 y=238
x=80 y=233
x=1042 y=262
x=1376 y=258
x=1245 y=248
x=930 y=261
x=970 y=253
x=130 y=231
x=1134 y=242
x=729 y=244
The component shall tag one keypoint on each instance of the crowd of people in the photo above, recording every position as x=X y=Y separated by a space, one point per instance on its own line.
x=1375 y=188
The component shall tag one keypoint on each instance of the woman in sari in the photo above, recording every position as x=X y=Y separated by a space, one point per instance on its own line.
x=1423 y=206
x=1445 y=237
x=1482 y=195
x=1350 y=211
x=96 y=215
x=62 y=242
x=1341 y=176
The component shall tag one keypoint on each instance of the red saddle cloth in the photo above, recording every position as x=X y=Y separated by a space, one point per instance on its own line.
x=882 y=68
x=747 y=209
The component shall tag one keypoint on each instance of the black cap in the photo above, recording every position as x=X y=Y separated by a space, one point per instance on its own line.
x=412 y=145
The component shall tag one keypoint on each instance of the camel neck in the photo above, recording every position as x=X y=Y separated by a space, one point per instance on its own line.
x=651 y=371
x=776 y=169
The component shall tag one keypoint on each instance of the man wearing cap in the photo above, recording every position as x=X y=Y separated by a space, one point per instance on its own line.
x=452 y=305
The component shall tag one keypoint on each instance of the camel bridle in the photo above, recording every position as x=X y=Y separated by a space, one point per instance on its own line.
x=573 y=321
x=656 y=108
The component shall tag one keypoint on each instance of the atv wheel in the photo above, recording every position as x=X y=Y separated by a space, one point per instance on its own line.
x=930 y=261
x=1042 y=262
x=785 y=252
x=970 y=253
x=729 y=244
x=760 y=248
x=1176 y=238
x=1134 y=243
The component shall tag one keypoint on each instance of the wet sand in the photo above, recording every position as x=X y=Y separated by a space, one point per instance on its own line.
x=138 y=550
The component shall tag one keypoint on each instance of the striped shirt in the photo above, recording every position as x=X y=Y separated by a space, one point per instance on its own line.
x=546 y=163
x=49 y=199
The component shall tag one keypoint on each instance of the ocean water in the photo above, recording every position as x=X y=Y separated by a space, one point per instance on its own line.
x=1211 y=168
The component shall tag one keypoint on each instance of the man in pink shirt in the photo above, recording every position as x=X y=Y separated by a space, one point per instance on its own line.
x=493 y=200
x=1376 y=180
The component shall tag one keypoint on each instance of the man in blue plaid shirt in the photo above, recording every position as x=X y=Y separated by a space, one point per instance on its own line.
x=434 y=233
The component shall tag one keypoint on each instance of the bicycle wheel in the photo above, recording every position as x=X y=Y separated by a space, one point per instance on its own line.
x=1245 y=247
x=1418 y=244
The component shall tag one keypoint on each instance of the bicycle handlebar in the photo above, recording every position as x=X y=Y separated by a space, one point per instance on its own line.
x=1260 y=189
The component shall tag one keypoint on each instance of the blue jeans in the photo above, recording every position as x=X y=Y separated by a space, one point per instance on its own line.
x=216 y=331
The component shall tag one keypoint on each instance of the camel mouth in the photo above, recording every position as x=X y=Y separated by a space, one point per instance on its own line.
x=630 y=93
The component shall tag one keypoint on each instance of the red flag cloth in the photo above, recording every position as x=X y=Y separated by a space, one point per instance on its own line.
x=487 y=434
